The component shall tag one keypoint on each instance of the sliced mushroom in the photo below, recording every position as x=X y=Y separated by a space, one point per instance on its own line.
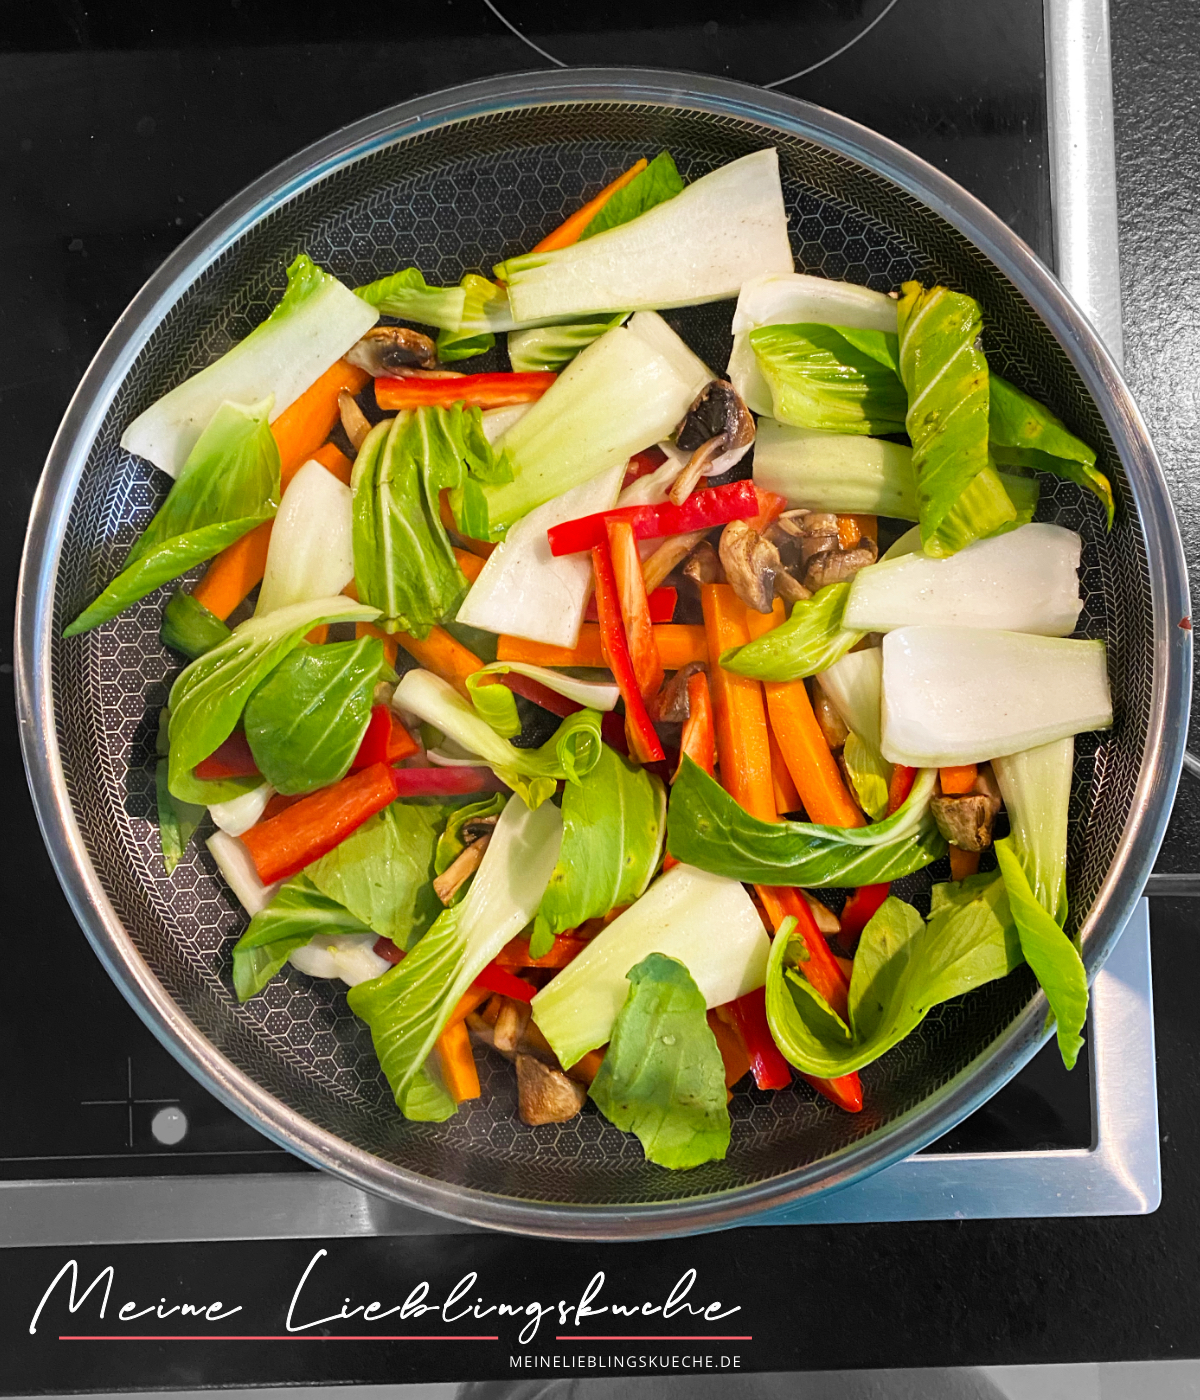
x=750 y=563
x=355 y=423
x=839 y=565
x=718 y=412
x=671 y=552
x=832 y=725
x=464 y=865
x=823 y=916
x=965 y=821
x=510 y=1025
x=687 y=480
x=393 y=350
x=704 y=564
x=478 y=827
x=671 y=705
x=789 y=588
x=546 y=1095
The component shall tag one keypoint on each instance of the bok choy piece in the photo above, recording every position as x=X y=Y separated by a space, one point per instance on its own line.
x=317 y=321
x=834 y=378
x=614 y=821
x=903 y=967
x=523 y=589
x=189 y=627
x=625 y=392
x=699 y=246
x=403 y=560
x=304 y=723
x=407 y=296
x=208 y=697
x=795 y=298
x=569 y=754
x=707 y=828
x=854 y=686
x=177 y=821
x=497 y=703
x=409 y=1005
x=298 y=913
x=966 y=694
x=657 y=183
x=960 y=497
x=844 y=473
x=1021 y=433
x=1036 y=787
x=554 y=347
x=685 y=913
x=811 y=640
x=1025 y=580
x=662 y=1076
x=311 y=554
x=228 y=485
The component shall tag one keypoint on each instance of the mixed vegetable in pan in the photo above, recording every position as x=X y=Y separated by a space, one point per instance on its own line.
x=524 y=707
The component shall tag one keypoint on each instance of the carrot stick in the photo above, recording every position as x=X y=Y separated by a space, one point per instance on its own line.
x=698 y=739
x=585 y=1069
x=458 y=1064
x=470 y=1000
x=803 y=746
x=853 y=528
x=900 y=786
x=963 y=863
x=335 y=461
x=959 y=779
x=516 y=954
x=678 y=643
x=470 y=564
x=739 y=715
x=235 y=572
x=440 y=653
x=304 y=425
x=569 y=230
x=787 y=798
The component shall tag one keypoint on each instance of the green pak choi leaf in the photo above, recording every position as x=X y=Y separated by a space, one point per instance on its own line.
x=305 y=722
x=903 y=967
x=1049 y=952
x=382 y=871
x=189 y=627
x=297 y=914
x=177 y=821
x=207 y=699
x=541 y=348
x=1022 y=433
x=662 y=1076
x=409 y=297
x=228 y=485
x=614 y=822
x=1036 y=787
x=869 y=773
x=472 y=336
x=657 y=183
x=707 y=828
x=836 y=378
x=407 y=1007
x=959 y=496
x=811 y=640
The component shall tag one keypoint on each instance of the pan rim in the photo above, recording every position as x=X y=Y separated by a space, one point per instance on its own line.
x=1170 y=693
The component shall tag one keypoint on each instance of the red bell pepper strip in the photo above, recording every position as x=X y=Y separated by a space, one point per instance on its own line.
x=445 y=782
x=900 y=787
x=386 y=740
x=737 y=500
x=642 y=464
x=698 y=739
x=232 y=759
x=859 y=909
x=845 y=1090
x=642 y=738
x=661 y=603
x=287 y=843
x=749 y=1013
x=474 y=390
x=566 y=948
x=386 y=949
x=635 y=610
x=495 y=978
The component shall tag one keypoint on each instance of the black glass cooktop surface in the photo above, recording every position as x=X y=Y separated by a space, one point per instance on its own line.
x=126 y=125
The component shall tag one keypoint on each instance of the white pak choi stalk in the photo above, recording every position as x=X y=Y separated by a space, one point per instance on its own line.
x=311 y=554
x=845 y=473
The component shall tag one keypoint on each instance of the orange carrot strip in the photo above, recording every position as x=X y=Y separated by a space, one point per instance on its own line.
x=698 y=739
x=390 y=645
x=739 y=715
x=235 y=572
x=318 y=635
x=516 y=954
x=853 y=528
x=787 y=799
x=570 y=229
x=304 y=425
x=678 y=643
x=458 y=1063
x=444 y=655
x=471 y=999
x=635 y=608
x=585 y=1069
x=963 y=863
x=803 y=746
x=470 y=564
x=335 y=461
x=959 y=779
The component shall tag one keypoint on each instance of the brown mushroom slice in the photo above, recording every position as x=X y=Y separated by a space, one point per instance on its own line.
x=671 y=552
x=751 y=564
x=838 y=565
x=965 y=821
x=823 y=916
x=464 y=865
x=718 y=412
x=688 y=479
x=789 y=588
x=833 y=726
x=388 y=351
x=546 y=1095
x=510 y=1025
x=704 y=565
x=355 y=423
x=671 y=703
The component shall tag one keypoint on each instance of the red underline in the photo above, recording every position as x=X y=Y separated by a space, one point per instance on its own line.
x=642 y=1337
x=290 y=1337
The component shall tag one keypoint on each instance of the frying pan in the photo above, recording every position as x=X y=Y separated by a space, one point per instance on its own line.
x=448 y=183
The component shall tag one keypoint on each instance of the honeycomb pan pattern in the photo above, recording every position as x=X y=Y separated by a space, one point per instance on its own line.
x=450 y=200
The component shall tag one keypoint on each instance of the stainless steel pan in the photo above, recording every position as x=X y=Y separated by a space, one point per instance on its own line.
x=451 y=182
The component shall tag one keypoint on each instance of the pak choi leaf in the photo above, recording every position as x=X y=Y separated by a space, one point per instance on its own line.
x=298 y=913
x=811 y=640
x=540 y=348
x=189 y=627
x=177 y=821
x=835 y=378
